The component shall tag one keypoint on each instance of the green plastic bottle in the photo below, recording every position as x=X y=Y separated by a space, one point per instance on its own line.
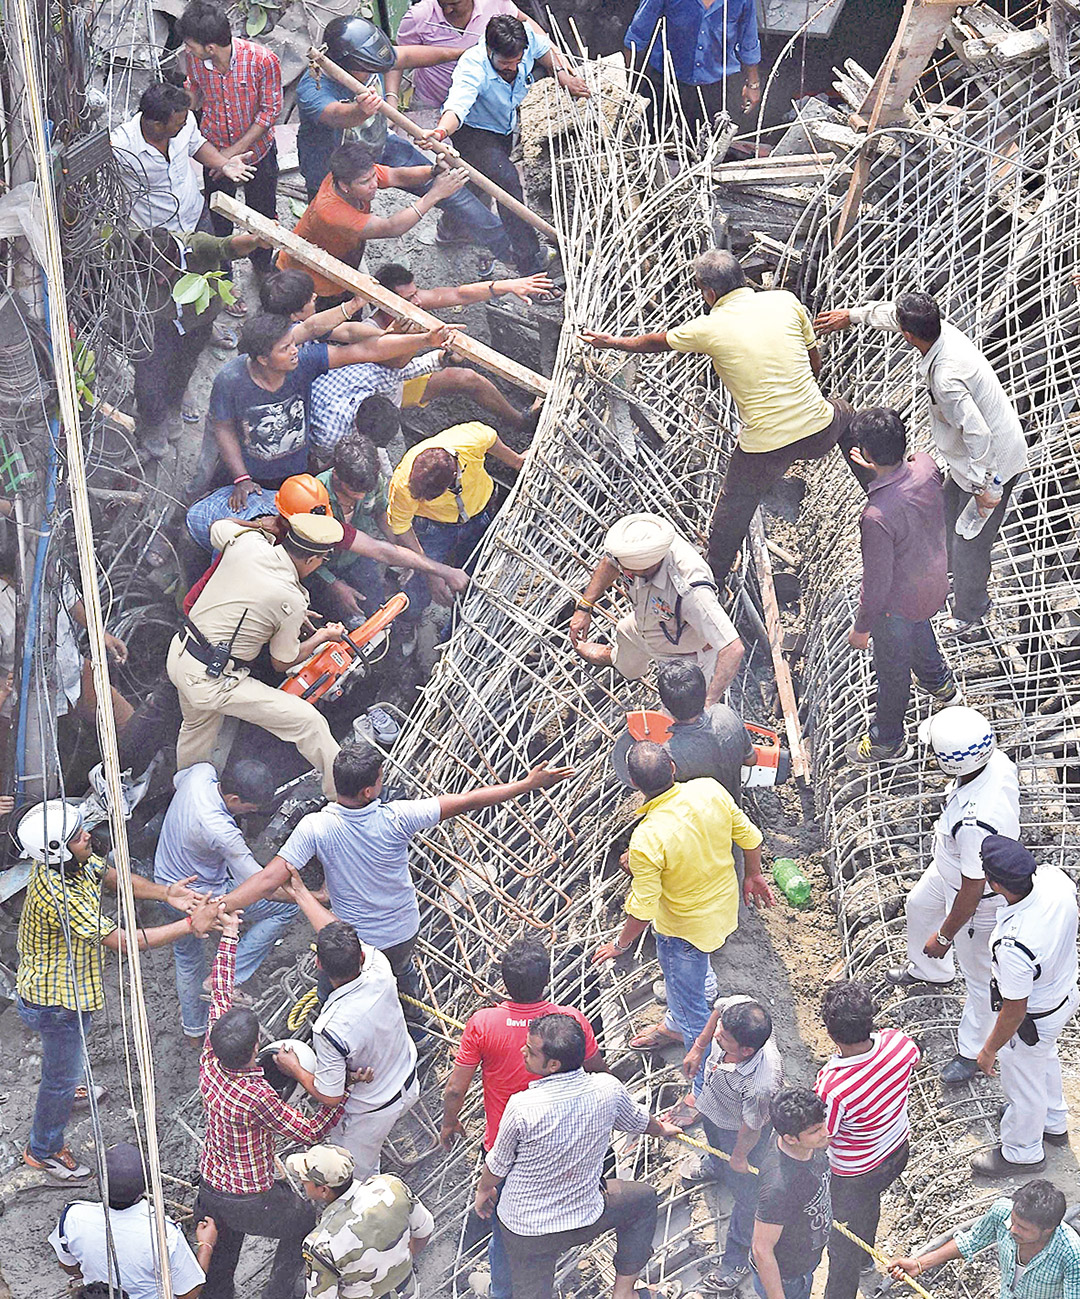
x=791 y=881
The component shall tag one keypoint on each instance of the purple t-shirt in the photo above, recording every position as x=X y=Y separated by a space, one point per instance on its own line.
x=425 y=24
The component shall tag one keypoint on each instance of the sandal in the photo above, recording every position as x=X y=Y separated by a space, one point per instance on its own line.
x=683 y=1115
x=226 y=336
x=236 y=308
x=655 y=1039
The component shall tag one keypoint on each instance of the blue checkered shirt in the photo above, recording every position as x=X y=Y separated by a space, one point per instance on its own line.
x=336 y=395
x=1054 y=1272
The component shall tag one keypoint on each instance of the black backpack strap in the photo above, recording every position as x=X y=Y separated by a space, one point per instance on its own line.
x=679 y=624
x=1015 y=942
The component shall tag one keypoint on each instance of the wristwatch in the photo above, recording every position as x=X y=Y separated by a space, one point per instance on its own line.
x=941 y=940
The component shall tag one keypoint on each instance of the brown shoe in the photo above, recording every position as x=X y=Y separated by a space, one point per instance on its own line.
x=61 y=1167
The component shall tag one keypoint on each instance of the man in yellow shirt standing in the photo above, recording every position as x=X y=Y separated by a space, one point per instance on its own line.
x=439 y=496
x=684 y=882
x=762 y=347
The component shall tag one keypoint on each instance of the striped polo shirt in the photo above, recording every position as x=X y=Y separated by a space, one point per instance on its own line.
x=866 y=1102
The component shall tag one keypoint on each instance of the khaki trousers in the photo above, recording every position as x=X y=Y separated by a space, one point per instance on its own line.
x=204 y=701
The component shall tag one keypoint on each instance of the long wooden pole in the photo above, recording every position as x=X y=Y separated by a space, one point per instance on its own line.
x=335 y=73
x=317 y=259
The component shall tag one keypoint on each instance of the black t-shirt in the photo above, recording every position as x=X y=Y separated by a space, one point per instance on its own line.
x=794 y=1195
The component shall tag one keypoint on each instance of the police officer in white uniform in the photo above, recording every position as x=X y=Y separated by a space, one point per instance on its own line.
x=676 y=609
x=1033 y=949
x=952 y=909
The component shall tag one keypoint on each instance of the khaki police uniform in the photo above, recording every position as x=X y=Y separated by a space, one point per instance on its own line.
x=1033 y=948
x=989 y=804
x=253 y=598
x=677 y=614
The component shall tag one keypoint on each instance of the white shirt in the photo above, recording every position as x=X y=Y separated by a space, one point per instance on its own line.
x=362 y=1026
x=79 y=1238
x=1045 y=924
x=972 y=421
x=165 y=190
x=551 y=1146
x=199 y=835
x=989 y=804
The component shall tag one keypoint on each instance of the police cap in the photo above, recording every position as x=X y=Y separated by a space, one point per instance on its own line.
x=314 y=534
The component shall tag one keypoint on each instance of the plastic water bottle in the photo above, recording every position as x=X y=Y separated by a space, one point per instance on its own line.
x=791 y=881
x=970 y=523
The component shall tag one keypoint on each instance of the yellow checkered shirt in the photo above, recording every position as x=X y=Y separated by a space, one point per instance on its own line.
x=48 y=974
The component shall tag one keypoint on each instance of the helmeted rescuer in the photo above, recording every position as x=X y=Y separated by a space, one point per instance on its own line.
x=951 y=910
x=254 y=597
x=1034 y=992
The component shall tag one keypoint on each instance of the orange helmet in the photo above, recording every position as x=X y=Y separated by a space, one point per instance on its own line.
x=302 y=494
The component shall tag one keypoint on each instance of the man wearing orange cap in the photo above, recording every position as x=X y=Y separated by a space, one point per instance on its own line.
x=676 y=609
x=305 y=494
x=254 y=597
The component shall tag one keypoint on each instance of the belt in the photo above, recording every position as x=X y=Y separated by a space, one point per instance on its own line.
x=204 y=654
x=1042 y=1014
x=397 y=1095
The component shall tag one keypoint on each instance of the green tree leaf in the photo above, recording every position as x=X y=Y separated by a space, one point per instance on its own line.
x=256 y=20
x=226 y=292
x=203 y=300
x=188 y=288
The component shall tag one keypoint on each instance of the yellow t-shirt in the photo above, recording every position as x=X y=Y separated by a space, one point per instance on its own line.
x=758 y=343
x=469 y=443
x=682 y=864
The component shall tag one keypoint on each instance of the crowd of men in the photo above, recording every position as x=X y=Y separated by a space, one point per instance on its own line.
x=307 y=499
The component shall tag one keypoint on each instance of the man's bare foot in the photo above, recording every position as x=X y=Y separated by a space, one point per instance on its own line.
x=595 y=653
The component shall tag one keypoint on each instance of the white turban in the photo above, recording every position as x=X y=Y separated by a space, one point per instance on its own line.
x=639 y=540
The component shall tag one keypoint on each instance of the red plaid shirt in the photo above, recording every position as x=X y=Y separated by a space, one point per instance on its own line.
x=233 y=101
x=243 y=1112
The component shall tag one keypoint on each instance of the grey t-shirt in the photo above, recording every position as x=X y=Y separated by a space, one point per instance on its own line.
x=716 y=745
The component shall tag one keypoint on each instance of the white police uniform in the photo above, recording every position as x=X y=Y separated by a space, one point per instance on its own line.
x=989 y=804
x=1033 y=950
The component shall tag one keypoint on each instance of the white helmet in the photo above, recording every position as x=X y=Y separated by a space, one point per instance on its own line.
x=962 y=740
x=47 y=829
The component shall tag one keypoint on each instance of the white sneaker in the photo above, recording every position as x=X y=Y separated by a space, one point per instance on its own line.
x=386 y=730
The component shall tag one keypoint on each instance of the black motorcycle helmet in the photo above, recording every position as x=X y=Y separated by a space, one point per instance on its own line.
x=358 y=45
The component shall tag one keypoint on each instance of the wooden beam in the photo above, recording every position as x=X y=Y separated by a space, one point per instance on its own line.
x=320 y=63
x=356 y=282
x=759 y=548
x=922 y=26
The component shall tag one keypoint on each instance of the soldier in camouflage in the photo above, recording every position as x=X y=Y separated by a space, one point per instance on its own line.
x=364 y=1243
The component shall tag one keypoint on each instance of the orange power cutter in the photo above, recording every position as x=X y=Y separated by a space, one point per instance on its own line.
x=772 y=767
x=328 y=671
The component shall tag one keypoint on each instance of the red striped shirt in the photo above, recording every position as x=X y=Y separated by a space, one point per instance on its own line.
x=866 y=1102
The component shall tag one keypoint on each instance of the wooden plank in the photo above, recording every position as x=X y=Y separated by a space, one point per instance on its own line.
x=759 y=547
x=320 y=63
x=317 y=259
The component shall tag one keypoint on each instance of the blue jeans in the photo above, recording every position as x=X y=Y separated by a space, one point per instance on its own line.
x=468 y=213
x=685 y=969
x=902 y=647
x=795 y=1287
x=264 y=923
x=366 y=576
x=449 y=543
x=743 y=1187
x=62 y=1067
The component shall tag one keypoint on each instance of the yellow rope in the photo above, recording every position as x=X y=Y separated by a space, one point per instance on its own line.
x=302 y=1011
x=712 y=1150
x=880 y=1258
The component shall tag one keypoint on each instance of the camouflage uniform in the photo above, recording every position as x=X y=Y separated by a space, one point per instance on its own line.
x=360 y=1246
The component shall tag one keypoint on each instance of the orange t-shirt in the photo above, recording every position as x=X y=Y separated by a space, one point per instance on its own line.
x=332 y=223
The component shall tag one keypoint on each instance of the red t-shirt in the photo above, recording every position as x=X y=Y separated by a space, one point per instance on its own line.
x=493 y=1039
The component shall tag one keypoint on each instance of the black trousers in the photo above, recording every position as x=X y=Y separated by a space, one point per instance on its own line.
x=161 y=378
x=279 y=1214
x=629 y=1210
x=969 y=558
x=856 y=1202
x=260 y=193
x=490 y=153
